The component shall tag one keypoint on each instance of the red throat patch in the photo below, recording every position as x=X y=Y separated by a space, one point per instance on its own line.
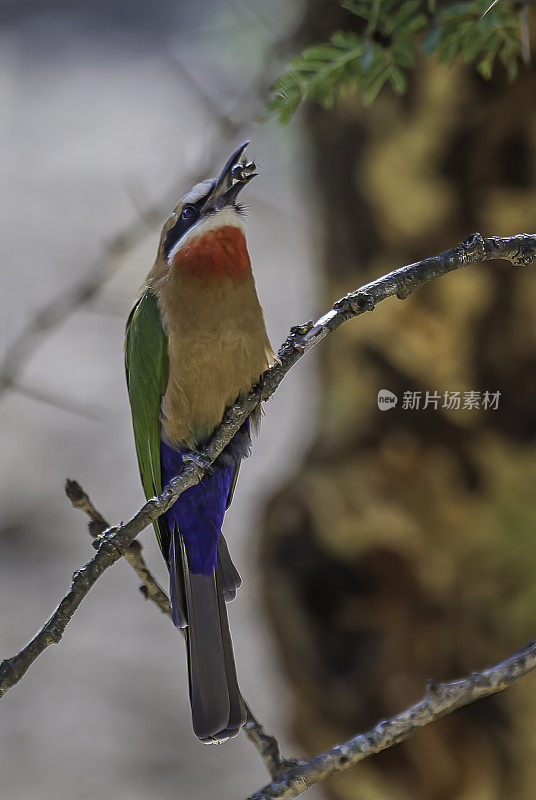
x=220 y=252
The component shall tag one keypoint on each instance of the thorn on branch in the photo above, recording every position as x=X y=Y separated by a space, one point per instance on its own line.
x=302 y=328
x=360 y=302
x=473 y=247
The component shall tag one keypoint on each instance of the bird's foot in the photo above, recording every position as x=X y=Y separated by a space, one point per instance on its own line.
x=200 y=460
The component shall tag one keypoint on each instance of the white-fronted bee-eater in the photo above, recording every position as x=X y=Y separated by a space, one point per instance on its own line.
x=196 y=342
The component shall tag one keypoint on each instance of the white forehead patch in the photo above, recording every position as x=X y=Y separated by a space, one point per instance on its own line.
x=199 y=190
x=227 y=217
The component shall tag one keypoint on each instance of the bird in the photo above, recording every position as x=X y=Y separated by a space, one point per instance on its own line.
x=195 y=343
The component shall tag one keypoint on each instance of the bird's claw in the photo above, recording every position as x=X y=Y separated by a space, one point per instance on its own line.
x=199 y=459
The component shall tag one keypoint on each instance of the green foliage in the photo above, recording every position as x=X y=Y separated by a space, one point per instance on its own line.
x=390 y=35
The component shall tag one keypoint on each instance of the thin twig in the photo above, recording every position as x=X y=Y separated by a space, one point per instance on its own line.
x=114 y=542
x=440 y=699
x=86 y=411
x=150 y=588
x=226 y=124
x=268 y=747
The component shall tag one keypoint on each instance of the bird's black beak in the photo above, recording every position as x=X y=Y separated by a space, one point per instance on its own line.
x=232 y=179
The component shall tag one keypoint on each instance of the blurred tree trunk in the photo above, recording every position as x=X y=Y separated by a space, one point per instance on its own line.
x=404 y=547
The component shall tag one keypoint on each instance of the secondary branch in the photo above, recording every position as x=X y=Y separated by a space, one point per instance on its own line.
x=441 y=699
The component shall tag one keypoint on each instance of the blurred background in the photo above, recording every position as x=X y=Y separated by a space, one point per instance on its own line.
x=377 y=548
x=110 y=112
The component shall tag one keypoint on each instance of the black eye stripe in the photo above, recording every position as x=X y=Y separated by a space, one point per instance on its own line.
x=178 y=230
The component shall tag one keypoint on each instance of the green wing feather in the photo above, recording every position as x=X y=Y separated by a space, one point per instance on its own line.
x=146 y=362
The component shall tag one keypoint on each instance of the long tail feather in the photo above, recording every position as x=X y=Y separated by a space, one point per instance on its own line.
x=237 y=710
x=217 y=708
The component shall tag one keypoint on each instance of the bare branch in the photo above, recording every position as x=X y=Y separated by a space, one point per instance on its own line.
x=225 y=123
x=114 y=542
x=441 y=699
x=268 y=747
x=60 y=308
x=150 y=588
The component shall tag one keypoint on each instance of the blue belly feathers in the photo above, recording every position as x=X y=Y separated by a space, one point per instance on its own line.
x=198 y=513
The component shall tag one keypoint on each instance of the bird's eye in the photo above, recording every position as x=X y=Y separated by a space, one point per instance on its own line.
x=188 y=213
x=188 y=217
